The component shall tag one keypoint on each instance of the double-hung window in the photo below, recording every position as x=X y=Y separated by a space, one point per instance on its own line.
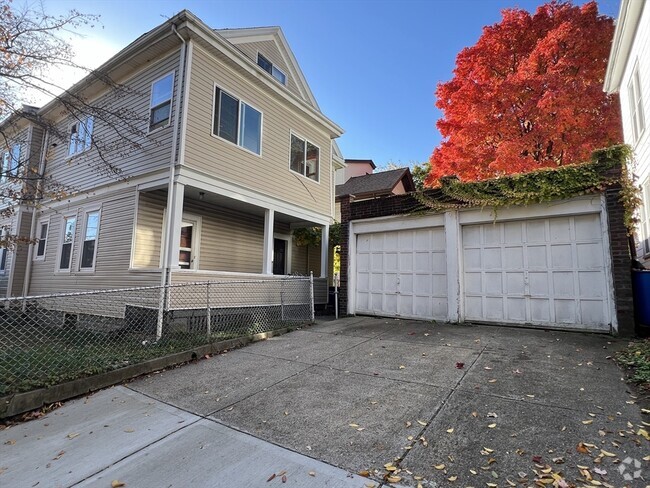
x=305 y=158
x=10 y=162
x=237 y=122
x=67 y=241
x=89 y=246
x=160 y=106
x=636 y=105
x=81 y=135
x=41 y=246
x=270 y=68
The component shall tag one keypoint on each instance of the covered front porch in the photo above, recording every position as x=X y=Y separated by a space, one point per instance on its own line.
x=213 y=237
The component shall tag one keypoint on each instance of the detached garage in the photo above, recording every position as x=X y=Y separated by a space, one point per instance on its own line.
x=549 y=264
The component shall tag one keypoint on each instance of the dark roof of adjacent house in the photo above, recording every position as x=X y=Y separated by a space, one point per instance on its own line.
x=376 y=184
x=366 y=161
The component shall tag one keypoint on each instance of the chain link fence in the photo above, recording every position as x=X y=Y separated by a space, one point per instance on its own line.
x=46 y=340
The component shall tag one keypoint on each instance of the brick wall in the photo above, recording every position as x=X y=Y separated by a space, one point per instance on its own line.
x=404 y=204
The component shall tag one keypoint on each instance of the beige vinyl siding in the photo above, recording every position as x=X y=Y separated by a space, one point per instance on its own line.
x=86 y=170
x=20 y=253
x=10 y=224
x=269 y=49
x=149 y=229
x=305 y=259
x=268 y=174
x=113 y=249
x=230 y=240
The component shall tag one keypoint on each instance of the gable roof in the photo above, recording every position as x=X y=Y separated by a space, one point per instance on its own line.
x=376 y=184
x=626 y=26
x=275 y=34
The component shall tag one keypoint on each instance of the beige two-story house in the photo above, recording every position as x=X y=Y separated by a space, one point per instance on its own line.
x=233 y=153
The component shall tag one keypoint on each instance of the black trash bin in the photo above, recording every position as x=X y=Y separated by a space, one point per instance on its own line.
x=641 y=288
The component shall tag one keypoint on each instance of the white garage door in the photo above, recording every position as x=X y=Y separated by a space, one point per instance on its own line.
x=402 y=273
x=547 y=272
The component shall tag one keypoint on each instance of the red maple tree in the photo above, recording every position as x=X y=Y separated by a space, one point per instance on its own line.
x=529 y=94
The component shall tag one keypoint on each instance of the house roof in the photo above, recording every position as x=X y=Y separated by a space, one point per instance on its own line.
x=626 y=26
x=362 y=161
x=376 y=184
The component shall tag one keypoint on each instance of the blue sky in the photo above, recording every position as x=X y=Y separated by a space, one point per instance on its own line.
x=373 y=65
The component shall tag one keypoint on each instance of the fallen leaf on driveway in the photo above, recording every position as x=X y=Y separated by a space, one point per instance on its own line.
x=408 y=423
x=58 y=456
x=460 y=365
x=364 y=472
x=10 y=442
x=587 y=422
x=2 y=470
x=439 y=467
x=537 y=459
x=402 y=366
x=72 y=435
x=449 y=431
x=284 y=478
x=354 y=426
x=492 y=380
x=270 y=477
x=421 y=422
x=452 y=478
x=488 y=368
x=129 y=431
x=393 y=479
x=492 y=426
x=117 y=484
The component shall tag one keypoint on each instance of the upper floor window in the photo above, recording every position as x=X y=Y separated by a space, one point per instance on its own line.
x=41 y=247
x=3 y=249
x=81 y=135
x=160 y=107
x=237 y=122
x=67 y=239
x=10 y=162
x=269 y=67
x=636 y=105
x=305 y=158
x=89 y=246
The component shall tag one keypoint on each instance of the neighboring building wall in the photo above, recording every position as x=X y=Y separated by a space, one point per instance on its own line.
x=269 y=173
x=20 y=253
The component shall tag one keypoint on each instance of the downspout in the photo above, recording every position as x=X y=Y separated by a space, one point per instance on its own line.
x=32 y=232
x=171 y=190
x=165 y=277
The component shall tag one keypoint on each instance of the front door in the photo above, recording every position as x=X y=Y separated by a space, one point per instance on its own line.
x=279 y=256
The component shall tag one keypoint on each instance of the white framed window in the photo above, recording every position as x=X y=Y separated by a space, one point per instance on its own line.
x=188 y=251
x=89 y=243
x=10 y=162
x=81 y=135
x=270 y=68
x=42 y=230
x=305 y=158
x=237 y=122
x=636 y=104
x=68 y=228
x=160 y=104
x=3 y=250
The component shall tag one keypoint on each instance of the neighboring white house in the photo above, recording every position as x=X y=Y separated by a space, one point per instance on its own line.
x=628 y=73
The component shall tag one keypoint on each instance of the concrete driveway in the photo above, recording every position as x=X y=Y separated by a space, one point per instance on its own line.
x=440 y=405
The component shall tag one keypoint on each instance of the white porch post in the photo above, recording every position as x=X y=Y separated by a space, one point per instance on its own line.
x=324 y=251
x=267 y=263
x=175 y=219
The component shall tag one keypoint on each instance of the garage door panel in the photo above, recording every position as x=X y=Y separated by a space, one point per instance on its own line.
x=537 y=257
x=492 y=258
x=587 y=227
x=538 y=284
x=540 y=311
x=536 y=231
x=493 y=283
x=408 y=273
x=565 y=311
x=591 y=311
x=471 y=233
x=473 y=283
x=563 y=284
x=590 y=255
x=494 y=308
x=513 y=233
x=560 y=229
x=492 y=234
x=513 y=257
x=473 y=308
x=472 y=259
x=515 y=283
x=561 y=256
x=516 y=309
x=590 y=284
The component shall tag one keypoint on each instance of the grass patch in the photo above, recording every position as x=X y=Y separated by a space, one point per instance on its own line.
x=636 y=360
x=69 y=355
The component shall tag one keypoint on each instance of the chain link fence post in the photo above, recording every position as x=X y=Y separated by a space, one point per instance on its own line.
x=207 y=311
x=311 y=294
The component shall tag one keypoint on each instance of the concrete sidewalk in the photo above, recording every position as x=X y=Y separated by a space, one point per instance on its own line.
x=447 y=405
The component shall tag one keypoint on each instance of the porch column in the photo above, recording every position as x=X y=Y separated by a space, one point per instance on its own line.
x=324 y=251
x=267 y=262
x=175 y=219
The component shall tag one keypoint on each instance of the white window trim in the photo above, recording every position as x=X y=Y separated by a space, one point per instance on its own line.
x=39 y=224
x=240 y=101
x=77 y=122
x=57 y=268
x=171 y=103
x=196 y=241
x=320 y=159
x=82 y=238
x=633 y=107
x=273 y=65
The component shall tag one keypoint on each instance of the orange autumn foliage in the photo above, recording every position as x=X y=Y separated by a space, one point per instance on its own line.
x=529 y=94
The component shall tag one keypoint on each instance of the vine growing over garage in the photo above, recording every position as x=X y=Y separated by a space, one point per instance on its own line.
x=543 y=185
